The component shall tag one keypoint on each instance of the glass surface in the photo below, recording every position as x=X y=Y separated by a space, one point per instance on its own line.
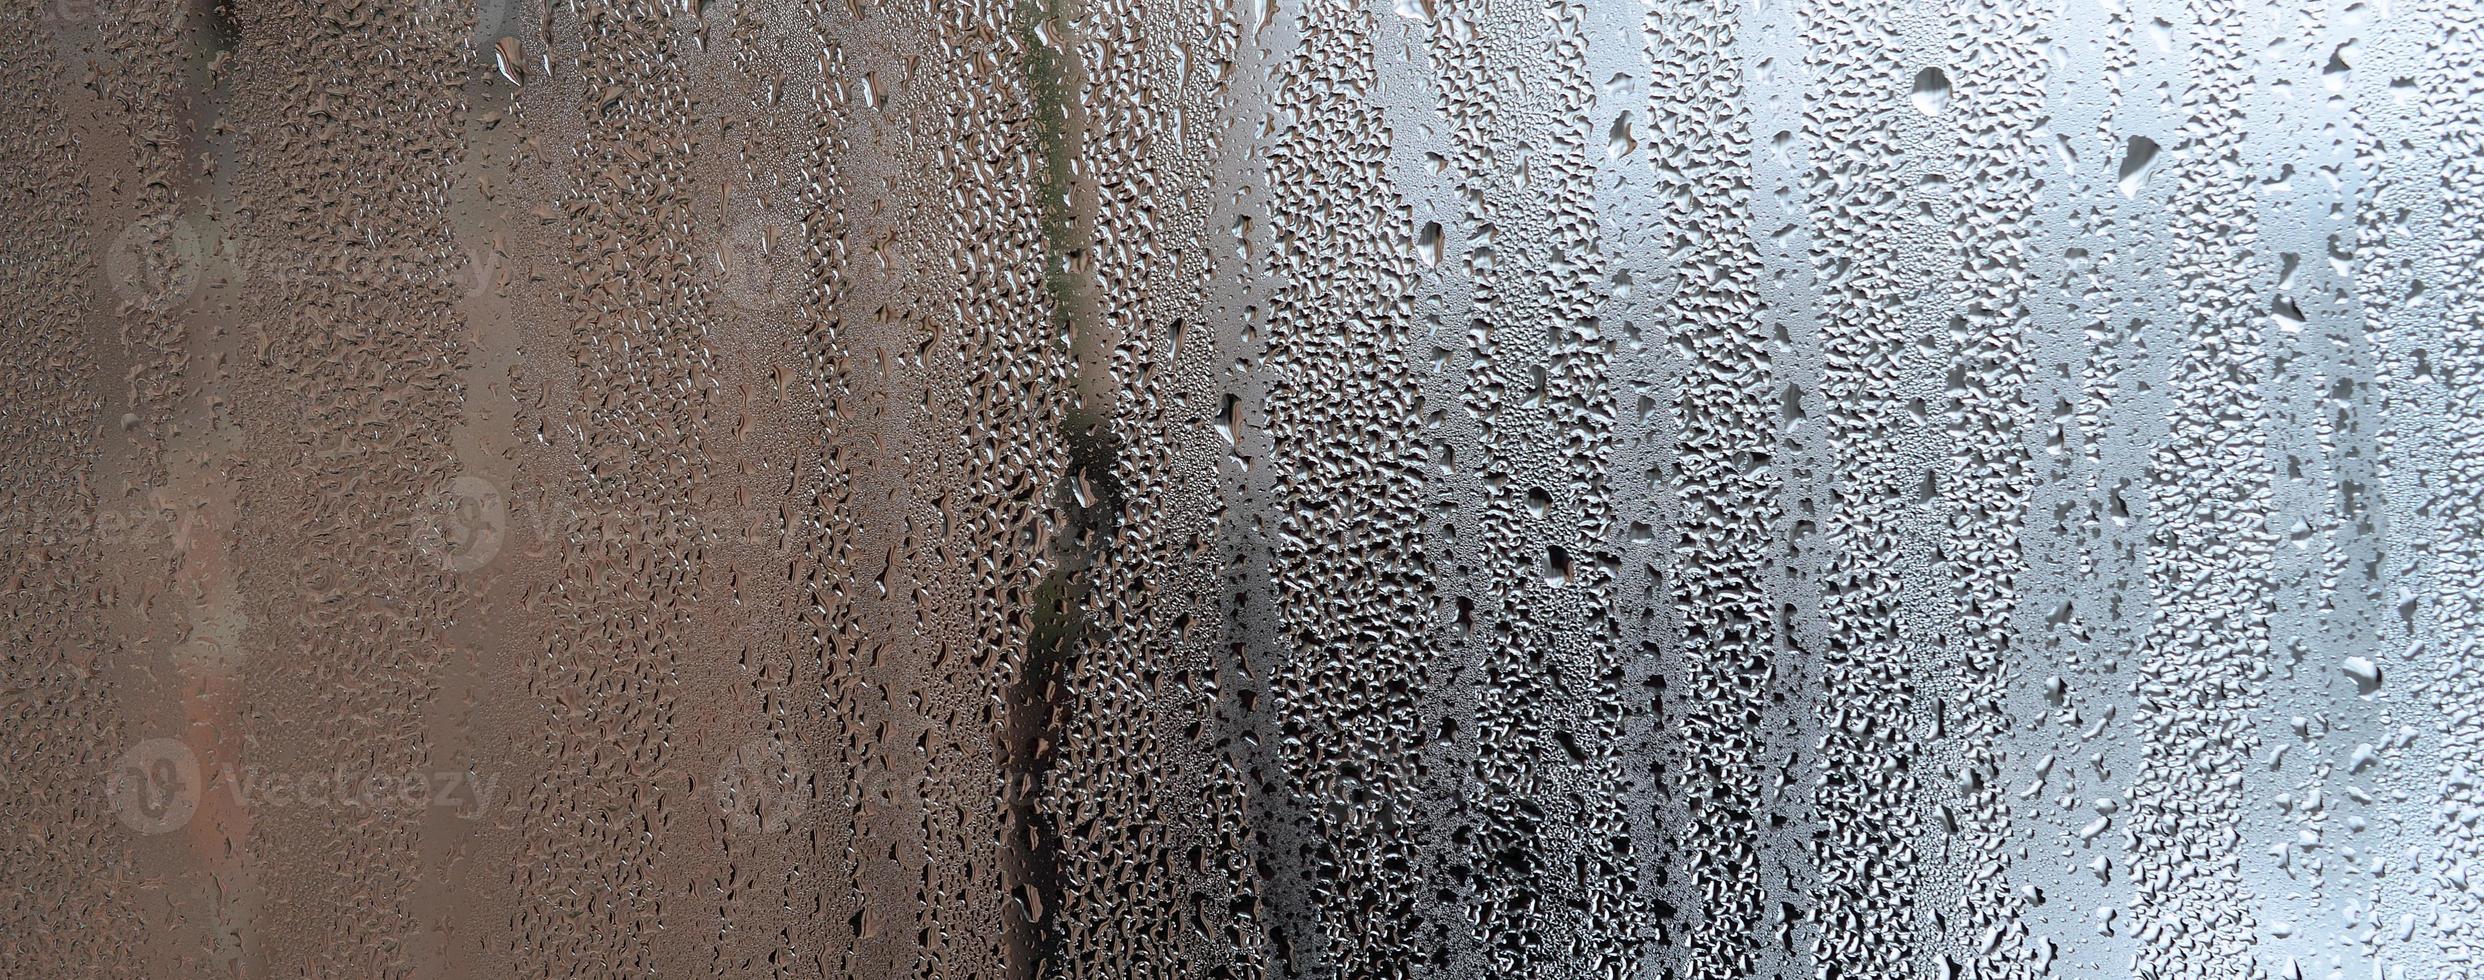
x=1239 y=489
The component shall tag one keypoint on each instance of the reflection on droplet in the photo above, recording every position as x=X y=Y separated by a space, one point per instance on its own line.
x=1931 y=91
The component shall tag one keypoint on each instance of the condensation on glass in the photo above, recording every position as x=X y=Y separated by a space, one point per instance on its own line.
x=1263 y=489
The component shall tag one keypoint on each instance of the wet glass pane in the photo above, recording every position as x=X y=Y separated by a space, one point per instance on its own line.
x=1242 y=489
